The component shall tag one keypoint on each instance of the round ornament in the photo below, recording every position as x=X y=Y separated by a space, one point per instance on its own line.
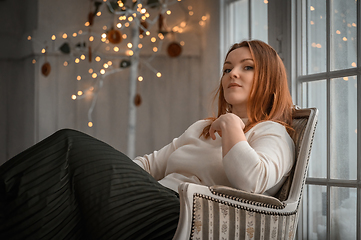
x=114 y=36
x=174 y=49
x=46 y=69
x=137 y=100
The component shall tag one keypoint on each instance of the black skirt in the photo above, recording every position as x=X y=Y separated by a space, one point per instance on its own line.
x=73 y=186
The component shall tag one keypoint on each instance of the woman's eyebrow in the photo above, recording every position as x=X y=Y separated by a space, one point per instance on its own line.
x=243 y=60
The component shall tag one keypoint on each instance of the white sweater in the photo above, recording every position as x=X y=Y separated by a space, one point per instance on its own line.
x=258 y=165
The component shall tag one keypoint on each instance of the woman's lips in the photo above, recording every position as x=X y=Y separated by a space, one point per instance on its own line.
x=233 y=85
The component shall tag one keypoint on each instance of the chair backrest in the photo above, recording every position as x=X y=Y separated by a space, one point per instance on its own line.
x=304 y=125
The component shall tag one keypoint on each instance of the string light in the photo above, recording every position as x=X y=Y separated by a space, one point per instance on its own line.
x=155 y=49
x=140 y=78
x=153 y=39
x=124 y=36
x=91 y=38
x=129 y=45
x=97 y=59
x=75 y=34
x=77 y=60
x=102 y=71
x=90 y=124
x=43 y=50
x=105 y=65
x=344 y=39
x=80 y=93
x=73 y=97
x=119 y=25
x=33 y=61
x=159 y=74
x=182 y=43
x=353 y=64
x=94 y=75
x=87 y=24
x=82 y=57
x=65 y=63
x=169 y=12
x=338 y=32
x=65 y=36
x=99 y=14
x=140 y=45
x=110 y=63
x=345 y=78
x=53 y=37
x=29 y=38
x=126 y=24
x=78 y=78
x=116 y=49
x=91 y=70
x=129 y=53
x=312 y=8
x=80 y=32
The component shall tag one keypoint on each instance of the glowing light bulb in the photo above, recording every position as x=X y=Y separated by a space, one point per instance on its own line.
x=201 y=23
x=116 y=49
x=159 y=74
x=90 y=124
x=126 y=24
x=99 y=14
x=110 y=63
x=53 y=37
x=91 y=38
x=147 y=33
x=34 y=61
x=105 y=27
x=312 y=22
x=144 y=17
x=338 y=32
x=124 y=36
x=190 y=8
x=102 y=71
x=140 y=45
x=78 y=78
x=191 y=13
x=129 y=45
x=141 y=36
x=29 y=38
x=119 y=25
x=94 y=75
x=77 y=60
x=129 y=53
x=82 y=57
x=134 y=14
x=182 y=43
x=147 y=15
x=105 y=65
x=155 y=49
x=312 y=8
x=80 y=93
x=80 y=32
x=345 y=78
x=75 y=34
x=183 y=24
x=73 y=97
x=153 y=39
x=87 y=24
x=65 y=63
x=43 y=50
x=97 y=59
x=140 y=78
x=104 y=35
x=204 y=18
x=344 y=39
x=353 y=64
x=65 y=35
x=169 y=12
x=143 y=11
x=91 y=70
x=130 y=18
x=161 y=36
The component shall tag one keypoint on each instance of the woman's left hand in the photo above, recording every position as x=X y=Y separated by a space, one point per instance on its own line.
x=230 y=127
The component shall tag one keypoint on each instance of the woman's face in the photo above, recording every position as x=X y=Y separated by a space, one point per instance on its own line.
x=237 y=79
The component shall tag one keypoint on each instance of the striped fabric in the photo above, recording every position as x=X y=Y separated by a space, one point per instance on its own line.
x=73 y=186
x=215 y=220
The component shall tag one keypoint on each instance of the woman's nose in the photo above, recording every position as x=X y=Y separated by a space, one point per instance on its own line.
x=234 y=73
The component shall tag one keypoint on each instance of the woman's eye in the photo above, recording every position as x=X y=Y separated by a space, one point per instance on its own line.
x=227 y=70
x=248 y=68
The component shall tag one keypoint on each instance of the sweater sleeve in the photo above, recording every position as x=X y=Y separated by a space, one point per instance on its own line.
x=156 y=163
x=259 y=163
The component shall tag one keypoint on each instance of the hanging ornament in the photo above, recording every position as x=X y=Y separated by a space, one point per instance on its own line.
x=91 y=18
x=125 y=63
x=114 y=36
x=65 y=48
x=137 y=100
x=174 y=49
x=90 y=53
x=46 y=69
x=145 y=25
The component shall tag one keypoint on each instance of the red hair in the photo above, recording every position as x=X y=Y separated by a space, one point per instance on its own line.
x=269 y=99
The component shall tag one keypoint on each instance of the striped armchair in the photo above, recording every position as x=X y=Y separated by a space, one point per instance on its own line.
x=220 y=212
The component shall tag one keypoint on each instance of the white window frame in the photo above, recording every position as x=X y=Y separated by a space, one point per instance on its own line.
x=298 y=80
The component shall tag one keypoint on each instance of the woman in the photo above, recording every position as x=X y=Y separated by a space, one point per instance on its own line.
x=73 y=186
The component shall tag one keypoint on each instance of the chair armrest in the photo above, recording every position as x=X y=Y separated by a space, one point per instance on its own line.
x=240 y=195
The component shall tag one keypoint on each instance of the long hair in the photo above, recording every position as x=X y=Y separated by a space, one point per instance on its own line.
x=269 y=99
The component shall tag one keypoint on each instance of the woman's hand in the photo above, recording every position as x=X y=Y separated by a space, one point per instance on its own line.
x=230 y=127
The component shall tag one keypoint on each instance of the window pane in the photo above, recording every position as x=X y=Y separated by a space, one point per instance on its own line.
x=316 y=36
x=315 y=211
x=237 y=22
x=343 y=120
x=315 y=95
x=259 y=20
x=343 y=213
x=343 y=34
